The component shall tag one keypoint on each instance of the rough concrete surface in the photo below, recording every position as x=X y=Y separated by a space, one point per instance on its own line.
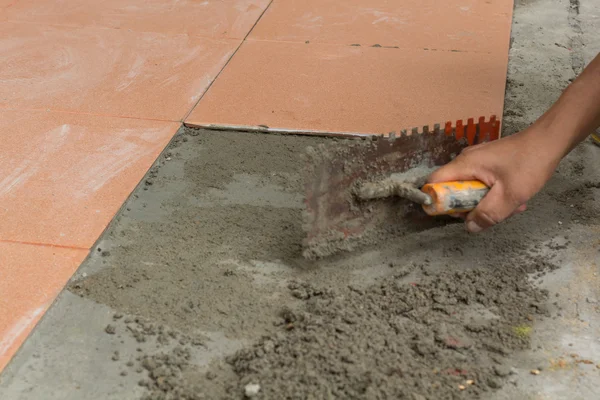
x=198 y=290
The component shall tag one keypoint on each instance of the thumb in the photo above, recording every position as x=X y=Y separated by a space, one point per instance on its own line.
x=494 y=208
x=456 y=170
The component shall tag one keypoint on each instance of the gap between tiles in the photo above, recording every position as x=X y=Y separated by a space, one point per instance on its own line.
x=283 y=131
x=371 y=45
x=275 y=131
x=186 y=116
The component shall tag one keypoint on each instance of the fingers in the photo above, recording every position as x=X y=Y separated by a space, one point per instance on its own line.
x=522 y=208
x=494 y=208
x=462 y=216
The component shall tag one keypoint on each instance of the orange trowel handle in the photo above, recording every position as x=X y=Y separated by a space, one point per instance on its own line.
x=453 y=197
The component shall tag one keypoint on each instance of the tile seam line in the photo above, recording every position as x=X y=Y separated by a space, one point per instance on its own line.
x=289 y=131
x=87 y=113
x=245 y=38
x=186 y=116
x=58 y=246
x=366 y=46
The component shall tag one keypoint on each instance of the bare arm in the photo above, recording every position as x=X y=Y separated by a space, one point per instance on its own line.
x=518 y=166
x=576 y=113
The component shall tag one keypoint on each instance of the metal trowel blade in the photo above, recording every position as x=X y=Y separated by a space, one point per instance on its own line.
x=336 y=220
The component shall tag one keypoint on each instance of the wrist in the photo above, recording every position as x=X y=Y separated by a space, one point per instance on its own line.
x=570 y=120
x=556 y=134
x=547 y=143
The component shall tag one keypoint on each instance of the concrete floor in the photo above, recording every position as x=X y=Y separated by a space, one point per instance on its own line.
x=68 y=355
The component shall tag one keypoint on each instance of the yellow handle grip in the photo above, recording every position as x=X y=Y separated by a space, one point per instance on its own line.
x=453 y=197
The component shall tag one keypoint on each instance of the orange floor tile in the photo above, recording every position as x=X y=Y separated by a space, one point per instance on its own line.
x=106 y=71
x=30 y=279
x=7 y=3
x=351 y=89
x=64 y=183
x=450 y=25
x=209 y=18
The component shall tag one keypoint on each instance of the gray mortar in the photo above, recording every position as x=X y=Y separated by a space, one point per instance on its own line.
x=405 y=185
x=396 y=320
x=220 y=206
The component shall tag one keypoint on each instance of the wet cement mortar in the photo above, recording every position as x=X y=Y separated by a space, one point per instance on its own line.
x=211 y=243
x=442 y=314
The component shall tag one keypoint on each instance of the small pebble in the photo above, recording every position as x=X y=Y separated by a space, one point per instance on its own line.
x=210 y=375
x=462 y=387
x=501 y=371
x=110 y=329
x=470 y=382
x=535 y=372
x=494 y=383
x=251 y=389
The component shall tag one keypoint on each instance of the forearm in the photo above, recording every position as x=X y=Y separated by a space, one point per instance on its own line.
x=575 y=115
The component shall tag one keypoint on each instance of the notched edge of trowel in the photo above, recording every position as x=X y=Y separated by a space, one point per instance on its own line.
x=336 y=221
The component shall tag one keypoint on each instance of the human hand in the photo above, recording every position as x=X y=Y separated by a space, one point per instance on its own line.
x=515 y=168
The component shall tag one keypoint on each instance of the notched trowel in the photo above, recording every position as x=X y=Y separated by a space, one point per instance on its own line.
x=362 y=191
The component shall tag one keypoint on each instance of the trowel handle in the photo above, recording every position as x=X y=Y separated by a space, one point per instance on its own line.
x=453 y=197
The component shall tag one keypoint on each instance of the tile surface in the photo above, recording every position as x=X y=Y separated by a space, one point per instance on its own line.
x=30 y=278
x=351 y=89
x=7 y=3
x=473 y=25
x=65 y=182
x=4 y=5
x=106 y=71
x=209 y=18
